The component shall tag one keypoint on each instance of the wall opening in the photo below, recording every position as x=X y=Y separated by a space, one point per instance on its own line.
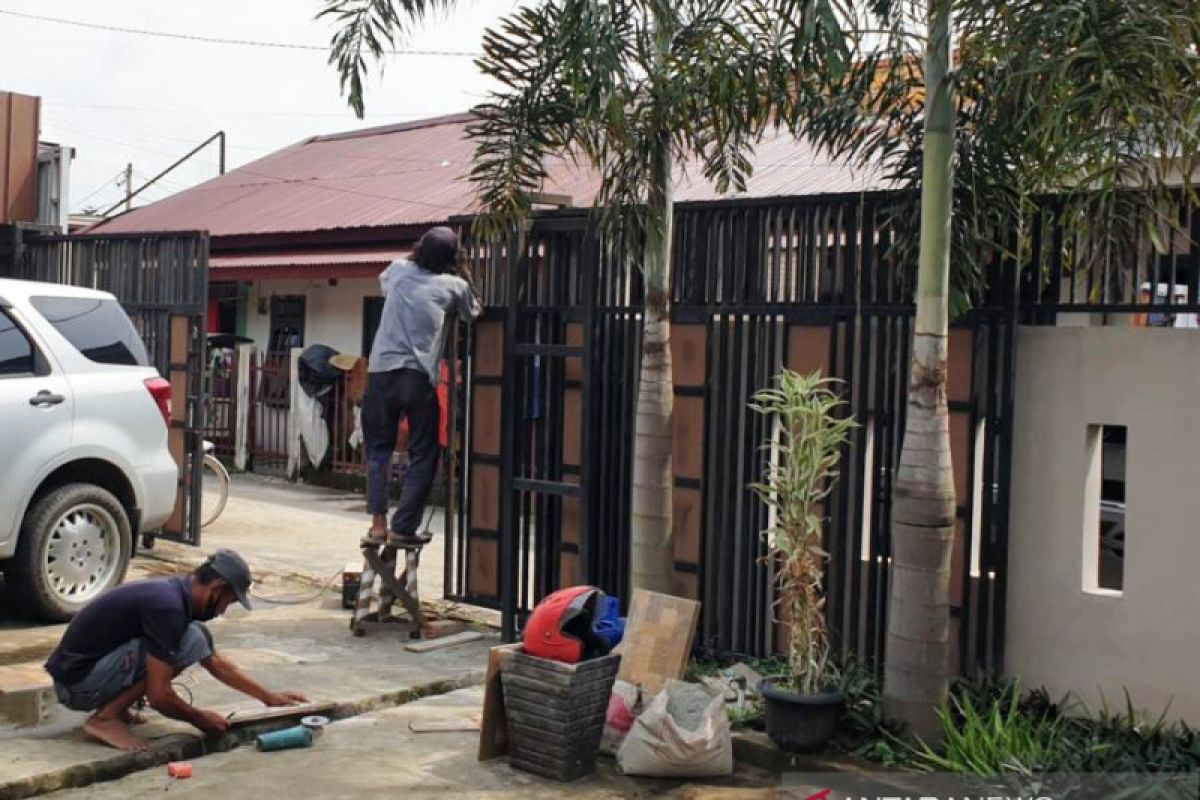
x=1104 y=516
x=868 y=493
x=980 y=444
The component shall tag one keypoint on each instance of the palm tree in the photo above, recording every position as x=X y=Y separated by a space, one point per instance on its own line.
x=1088 y=99
x=632 y=89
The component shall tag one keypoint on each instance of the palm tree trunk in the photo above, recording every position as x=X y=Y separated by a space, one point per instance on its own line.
x=652 y=557
x=923 y=495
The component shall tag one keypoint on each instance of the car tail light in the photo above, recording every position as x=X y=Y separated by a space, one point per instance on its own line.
x=160 y=390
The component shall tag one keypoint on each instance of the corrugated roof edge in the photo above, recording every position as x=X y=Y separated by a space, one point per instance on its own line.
x=383 y=130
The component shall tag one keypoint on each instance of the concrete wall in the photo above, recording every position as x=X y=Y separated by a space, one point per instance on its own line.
x=333 y=314
x=1061 y=633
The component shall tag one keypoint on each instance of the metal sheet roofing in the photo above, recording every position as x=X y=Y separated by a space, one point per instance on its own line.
x=321 y=263
x=414 y=174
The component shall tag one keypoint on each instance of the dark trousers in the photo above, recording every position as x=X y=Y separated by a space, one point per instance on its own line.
x=391 y=397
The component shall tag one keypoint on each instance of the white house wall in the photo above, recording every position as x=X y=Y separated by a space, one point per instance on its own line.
x=1062 y=632
x=333 y=314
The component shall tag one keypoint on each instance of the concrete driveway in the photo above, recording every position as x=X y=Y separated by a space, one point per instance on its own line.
x=297 y=539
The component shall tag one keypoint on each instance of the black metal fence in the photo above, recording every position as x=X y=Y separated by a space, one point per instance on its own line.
x=806 y=283
x=161 y=280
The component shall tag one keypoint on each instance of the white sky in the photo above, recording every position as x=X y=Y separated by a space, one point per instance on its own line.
x=120 y=98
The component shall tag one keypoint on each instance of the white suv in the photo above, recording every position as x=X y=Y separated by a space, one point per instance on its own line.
x=84 y=459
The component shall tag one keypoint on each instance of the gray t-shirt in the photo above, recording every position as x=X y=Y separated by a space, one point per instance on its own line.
x=412 y=329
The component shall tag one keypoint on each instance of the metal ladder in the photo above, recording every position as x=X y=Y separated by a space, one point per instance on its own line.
x=380 y=562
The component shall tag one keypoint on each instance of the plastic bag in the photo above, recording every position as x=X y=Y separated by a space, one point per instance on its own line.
x=684 y=732
x=624 y=704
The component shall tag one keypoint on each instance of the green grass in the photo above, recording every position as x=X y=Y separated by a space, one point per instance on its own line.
x=993 y=735
x=993 y=727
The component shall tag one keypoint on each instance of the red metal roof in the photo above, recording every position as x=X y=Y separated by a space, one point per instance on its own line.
x=323 y=263
x=414 y=174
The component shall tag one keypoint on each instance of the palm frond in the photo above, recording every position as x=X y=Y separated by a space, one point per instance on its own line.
x=1093 y=100
x=367 y=29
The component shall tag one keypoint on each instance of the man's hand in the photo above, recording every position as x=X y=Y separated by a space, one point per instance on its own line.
x=465 y=273
x=275 y=699
x=210 y=722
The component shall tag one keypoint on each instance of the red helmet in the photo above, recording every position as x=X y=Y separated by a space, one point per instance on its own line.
x=560 y=627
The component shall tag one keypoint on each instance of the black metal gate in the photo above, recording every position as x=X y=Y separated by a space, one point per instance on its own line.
x=161 y=280
x=808 y=283
x=546 y=375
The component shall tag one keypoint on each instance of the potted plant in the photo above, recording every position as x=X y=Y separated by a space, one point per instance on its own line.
x=810 y=427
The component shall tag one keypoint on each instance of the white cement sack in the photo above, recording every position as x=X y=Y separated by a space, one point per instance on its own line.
x=683 y=732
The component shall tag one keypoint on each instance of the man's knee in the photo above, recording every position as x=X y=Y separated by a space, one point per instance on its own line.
x=112 y=674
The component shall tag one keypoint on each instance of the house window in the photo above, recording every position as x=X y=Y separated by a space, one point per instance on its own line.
x=287 y=323
x=1104 y=518
x=372 y=313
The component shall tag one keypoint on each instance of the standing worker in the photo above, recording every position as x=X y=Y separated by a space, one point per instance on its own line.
x=419 y=296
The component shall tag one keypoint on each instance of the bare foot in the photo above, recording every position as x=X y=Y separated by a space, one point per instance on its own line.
x=114 y=733
x=132 y=717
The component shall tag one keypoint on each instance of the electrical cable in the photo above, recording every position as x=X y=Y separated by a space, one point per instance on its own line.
x=402 y=117
x=111 y=181
x=219 y=40
x=285 y=600
x=130 y=140
x=191 y=698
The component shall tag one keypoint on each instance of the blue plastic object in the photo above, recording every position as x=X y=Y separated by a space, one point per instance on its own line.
x=286 y=739
x=609 y=625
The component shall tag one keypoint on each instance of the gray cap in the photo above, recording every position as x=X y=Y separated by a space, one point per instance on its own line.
x=236 y=572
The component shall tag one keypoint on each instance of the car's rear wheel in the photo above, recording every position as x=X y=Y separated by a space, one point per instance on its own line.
x=75 y=543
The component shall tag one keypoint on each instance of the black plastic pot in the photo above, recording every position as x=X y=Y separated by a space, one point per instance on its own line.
x=800 y=723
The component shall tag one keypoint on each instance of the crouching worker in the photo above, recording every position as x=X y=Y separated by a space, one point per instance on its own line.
x=132 y=641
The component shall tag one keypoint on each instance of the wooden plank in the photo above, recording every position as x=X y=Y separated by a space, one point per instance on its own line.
x=238 y=718
x=658 y=639
x=15 y=678
x=445 y=725
x=493 y=726
x=441 y=644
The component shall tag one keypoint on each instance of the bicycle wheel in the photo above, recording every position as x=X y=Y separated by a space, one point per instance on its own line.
x=214 y=490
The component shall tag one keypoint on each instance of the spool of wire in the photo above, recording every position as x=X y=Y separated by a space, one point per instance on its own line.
x=315 y=723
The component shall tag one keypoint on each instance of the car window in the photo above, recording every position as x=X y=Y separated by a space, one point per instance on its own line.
x=98 y=328
x=16 y=351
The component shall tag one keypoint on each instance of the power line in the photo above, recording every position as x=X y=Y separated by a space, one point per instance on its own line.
x=99 y=189
x=147 y=148
x=141 y=148
x=219 y=40
x=238 y=112
x=87 y=129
